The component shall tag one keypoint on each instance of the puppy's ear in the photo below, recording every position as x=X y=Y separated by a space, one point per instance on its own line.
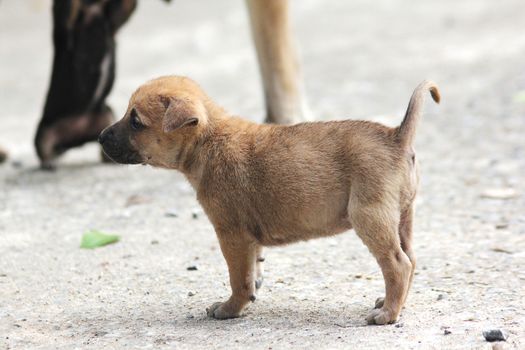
x=179 y=113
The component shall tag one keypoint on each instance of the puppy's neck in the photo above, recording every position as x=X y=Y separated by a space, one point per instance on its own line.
x=225 y=139
x=195 y=152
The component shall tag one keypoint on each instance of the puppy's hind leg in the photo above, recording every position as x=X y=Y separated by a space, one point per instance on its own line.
x=377 y=226
x=405 y=235
x=240 y=254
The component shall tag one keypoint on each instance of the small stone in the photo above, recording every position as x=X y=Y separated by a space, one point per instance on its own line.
x=495 y=335
x=499 y=193
x=154 y=241
x=447 y=331
x=171 y=213
x=192 y=268
x=502 y=225
x=136 y=200
x=399 y=325
x=441 y=297
x=190 y=294
x=501 y=250
x=194 y=215
x=358 y=276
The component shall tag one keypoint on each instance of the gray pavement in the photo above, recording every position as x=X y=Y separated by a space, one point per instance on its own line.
x=361 y=59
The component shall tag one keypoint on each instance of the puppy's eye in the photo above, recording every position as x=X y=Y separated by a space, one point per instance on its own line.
x=135 y=121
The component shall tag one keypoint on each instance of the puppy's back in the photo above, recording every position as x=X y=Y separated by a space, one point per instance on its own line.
x=289 y=183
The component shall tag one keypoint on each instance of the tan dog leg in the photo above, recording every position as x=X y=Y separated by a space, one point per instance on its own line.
x=240 y=254
x=405 y=234
x=277 y=61
x=377 y=226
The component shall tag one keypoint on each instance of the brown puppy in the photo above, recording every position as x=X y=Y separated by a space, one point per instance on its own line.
x=266 y=185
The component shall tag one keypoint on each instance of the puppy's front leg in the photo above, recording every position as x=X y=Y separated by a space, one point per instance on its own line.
x=240 y=253
x=259 y=267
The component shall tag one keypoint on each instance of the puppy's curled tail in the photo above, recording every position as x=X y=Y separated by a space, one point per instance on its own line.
x=407 y=130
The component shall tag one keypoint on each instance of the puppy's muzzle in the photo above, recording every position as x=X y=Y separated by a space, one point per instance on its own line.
x=118 y=147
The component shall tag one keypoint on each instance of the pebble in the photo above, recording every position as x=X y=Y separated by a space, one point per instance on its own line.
x=154 y=241
x=495 y=335
x=192 y=268
x=441 y=297
x=501 y=250
x=17 y=164
x=190 y=294
x=447 y=332
x=499 y=193
x=171 y=213
x=136 y=200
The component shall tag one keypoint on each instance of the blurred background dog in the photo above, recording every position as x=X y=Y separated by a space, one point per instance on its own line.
x=84 y=38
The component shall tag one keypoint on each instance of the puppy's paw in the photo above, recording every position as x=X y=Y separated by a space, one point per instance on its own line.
x=221 y=311
x=379 y=303
x=380 y=316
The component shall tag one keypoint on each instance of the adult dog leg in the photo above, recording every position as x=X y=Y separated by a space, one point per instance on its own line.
x=3 y=155
x=82 y=76
x=277 y=61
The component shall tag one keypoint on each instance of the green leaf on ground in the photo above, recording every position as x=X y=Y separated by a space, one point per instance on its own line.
x=519 y=96
x=94 y=239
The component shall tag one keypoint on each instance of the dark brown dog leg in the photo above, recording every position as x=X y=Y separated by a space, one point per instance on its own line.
x=71 y=132
x=240 y=255
x=377 y=226
x=82 y=75
x=277 y=61
x=3 y=155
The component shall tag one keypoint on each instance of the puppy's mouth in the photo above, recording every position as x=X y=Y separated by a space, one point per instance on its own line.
x=124 y=157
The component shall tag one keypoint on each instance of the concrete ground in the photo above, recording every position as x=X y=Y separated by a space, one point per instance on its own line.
x=360 y=60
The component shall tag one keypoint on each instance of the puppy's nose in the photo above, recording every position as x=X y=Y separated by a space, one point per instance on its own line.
x=104 y=135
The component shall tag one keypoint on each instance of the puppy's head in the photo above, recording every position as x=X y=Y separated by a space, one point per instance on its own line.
x=165 y=116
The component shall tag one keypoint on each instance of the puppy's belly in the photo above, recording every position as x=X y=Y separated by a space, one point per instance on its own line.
x=273 y=235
